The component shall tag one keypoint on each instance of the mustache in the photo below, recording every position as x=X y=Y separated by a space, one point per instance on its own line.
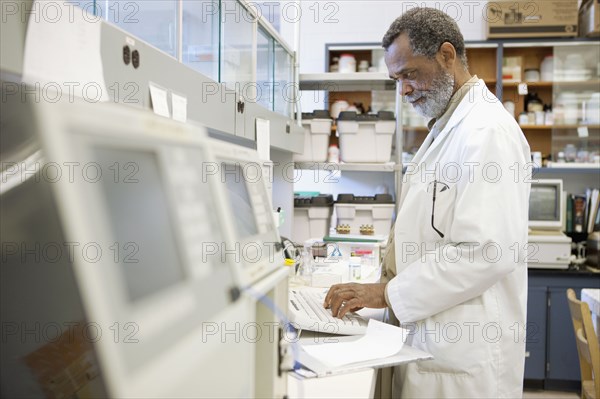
x=416 y=95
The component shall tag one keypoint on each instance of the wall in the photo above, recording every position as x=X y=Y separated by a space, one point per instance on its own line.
x=366 y=21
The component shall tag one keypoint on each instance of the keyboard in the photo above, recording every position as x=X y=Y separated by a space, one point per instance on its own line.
x=306 y=312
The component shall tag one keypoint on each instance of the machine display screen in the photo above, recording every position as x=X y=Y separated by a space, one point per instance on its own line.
x=237 y=191
x=144 y=241
x=543 y=203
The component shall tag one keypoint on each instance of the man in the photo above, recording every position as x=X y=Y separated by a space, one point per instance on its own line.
x=456 y=273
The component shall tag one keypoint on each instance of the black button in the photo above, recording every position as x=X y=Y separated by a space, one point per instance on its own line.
x=126 y=55
x=135 y=58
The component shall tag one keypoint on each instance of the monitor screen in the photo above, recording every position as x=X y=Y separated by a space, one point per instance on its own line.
x=145 y=246
x=544 y=203
x=237 y=191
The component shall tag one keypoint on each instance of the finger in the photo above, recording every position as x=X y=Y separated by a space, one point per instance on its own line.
x=329 y=295
x=338 y=299
x=349 y=306
x=332 y=291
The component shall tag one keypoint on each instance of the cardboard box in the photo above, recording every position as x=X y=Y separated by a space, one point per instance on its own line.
x=589 y=18
x=534 y=18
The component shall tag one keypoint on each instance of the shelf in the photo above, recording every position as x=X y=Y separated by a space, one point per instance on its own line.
x=529 y=84
x=573 y=167
x=557 y=127
x=355 y=167
x=421 y=129
x=337 y=81
x=582 y=83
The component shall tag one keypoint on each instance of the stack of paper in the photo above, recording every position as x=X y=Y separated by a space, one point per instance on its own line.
x=380 y=341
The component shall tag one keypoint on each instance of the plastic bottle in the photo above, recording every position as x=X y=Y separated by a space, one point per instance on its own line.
x=354 y=268
x=291 y=265
x=548 y=116
x=305 y=270
x=547 y=69
x=333 y=154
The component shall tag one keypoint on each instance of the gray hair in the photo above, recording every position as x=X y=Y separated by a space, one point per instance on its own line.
x=427 y=30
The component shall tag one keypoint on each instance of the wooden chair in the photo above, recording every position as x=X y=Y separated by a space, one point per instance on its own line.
x=587 y=346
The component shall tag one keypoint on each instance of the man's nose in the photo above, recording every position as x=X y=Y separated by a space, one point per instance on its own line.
x=407 y=89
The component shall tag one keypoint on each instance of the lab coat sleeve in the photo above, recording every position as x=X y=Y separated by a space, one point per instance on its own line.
x=487 y=233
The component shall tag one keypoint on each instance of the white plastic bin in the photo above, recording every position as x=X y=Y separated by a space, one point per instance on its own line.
x=377 y=211
x=317 y=128
x=366 y=138
x=312 y=217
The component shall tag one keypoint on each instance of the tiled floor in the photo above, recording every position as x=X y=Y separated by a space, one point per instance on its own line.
x=533 y=394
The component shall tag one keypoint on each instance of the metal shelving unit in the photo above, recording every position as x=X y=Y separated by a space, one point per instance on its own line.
x=356 y=82
x=338 y=81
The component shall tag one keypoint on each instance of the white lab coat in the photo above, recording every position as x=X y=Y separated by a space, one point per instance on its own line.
x=465 y=303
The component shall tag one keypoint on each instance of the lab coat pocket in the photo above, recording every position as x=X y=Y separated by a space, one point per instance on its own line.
x=456 y=339
x=442 y=211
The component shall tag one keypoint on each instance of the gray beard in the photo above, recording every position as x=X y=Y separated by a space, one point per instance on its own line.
x=436 y=98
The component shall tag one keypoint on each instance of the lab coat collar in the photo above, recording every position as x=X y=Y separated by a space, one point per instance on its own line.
x=474 y=95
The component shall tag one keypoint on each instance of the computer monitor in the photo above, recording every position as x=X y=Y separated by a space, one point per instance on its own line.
x=244 y=176
x=145 y=230
x=546 y=205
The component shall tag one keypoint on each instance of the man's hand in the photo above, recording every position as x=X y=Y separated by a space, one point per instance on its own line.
x=344 y=298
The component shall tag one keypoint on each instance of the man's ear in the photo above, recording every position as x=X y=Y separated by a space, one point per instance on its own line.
x=447 y=55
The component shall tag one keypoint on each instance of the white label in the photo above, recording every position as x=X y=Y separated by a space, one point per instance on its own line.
x=129 y=41
x=523 y=90
x=263 y=138
x=179 y=106
x=582 y=131
x=160 y=103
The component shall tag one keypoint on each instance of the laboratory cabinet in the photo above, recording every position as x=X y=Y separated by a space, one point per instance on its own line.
x=364 y=88
x=551 y=87
x=551 y=360
x=221 y=56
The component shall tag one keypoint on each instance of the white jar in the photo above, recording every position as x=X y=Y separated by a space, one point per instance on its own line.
x=532 y=75
x=547 y=69
x=523 y=119
x=347 y=63
x=539 y=117
x=568 y=103
x=363 y=66
x=510 y=107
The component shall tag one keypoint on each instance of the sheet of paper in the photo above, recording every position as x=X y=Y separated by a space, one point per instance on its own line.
x=582 y=131
x=179 y=106
x=160 y=101
x=380 y=341
x=263 y=138
x=62 y=53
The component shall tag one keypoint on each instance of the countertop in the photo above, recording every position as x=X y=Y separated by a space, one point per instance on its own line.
x=569 y=272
